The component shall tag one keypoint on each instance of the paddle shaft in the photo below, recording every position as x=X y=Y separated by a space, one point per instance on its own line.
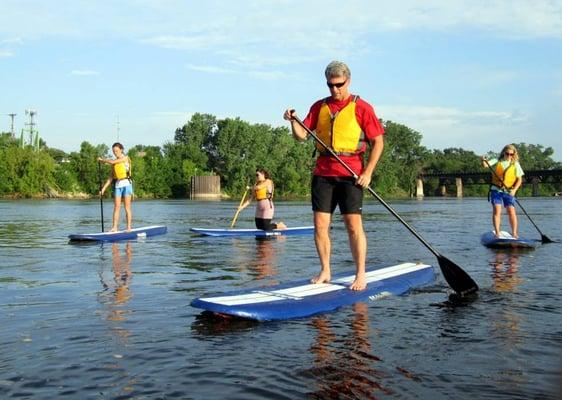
x=544 y=238
x=101 y=195
x=457 y=278
x=240 y=205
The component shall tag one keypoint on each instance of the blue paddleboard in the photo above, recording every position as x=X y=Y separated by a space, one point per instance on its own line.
x=120 y=235
x=302 y=299
x=505 y=240
x=300 y=230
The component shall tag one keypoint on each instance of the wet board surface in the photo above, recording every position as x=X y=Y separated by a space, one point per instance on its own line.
x=300 y=230
x=505 y=240
x=119 y=235
x=302 y=299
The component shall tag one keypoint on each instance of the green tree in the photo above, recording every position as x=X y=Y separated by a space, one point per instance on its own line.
x=401 y=161
x=149 y=172
x=85 y=165
x=25 y=172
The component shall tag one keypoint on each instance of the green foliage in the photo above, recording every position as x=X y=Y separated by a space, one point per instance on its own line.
x=233 y=149
x=401 y=161
x=149 y=173
x=535 y=156
x=6 y=140
x=58 y=155
x=25 y=172
x=65 y=178
x=86 y=166
x=238 y=148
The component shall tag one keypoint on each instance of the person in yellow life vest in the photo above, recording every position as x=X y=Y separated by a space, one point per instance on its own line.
x=507 y=178
x=348 y=125
x=122 y=185
x=262 y=192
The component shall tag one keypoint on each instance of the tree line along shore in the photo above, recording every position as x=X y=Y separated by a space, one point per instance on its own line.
x=232 y=149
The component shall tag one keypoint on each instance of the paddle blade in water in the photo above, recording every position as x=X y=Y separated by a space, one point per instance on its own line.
x=459 y=280
x=546 y=239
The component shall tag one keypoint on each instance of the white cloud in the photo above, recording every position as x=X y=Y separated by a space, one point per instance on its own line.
x=84 y=72
x=186 y=42
x=5 y=54
x=269 y=75
x=516 y=19
x=13 y=40
x=420 y=117
x=180 y=24
x=482 y=76
x=445 y=127
x=210 y=69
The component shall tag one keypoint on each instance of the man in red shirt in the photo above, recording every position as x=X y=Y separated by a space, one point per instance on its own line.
x=345 y=123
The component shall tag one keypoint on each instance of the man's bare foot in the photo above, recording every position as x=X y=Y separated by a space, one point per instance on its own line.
x=360 y=283
x=281 y=225
x=128 y=229
x=323 y=277
x=515 y=235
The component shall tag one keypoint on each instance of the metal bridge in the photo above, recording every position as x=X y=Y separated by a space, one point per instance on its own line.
x=535 y=177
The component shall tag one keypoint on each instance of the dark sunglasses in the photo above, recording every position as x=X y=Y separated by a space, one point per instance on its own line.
x=338 y=85
x=509 y=154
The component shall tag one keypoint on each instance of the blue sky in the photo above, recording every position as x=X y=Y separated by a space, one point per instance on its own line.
x=471 y=74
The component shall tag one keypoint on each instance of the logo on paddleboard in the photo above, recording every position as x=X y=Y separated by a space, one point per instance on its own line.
x=380 y=295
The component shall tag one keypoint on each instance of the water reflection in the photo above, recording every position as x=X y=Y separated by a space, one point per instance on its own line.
x=258 y=259
x=504 y=271
x=208 y=324
x=116 y=291
x=345 y=369
x=263 y=265
x=114 y=297
x=506 y=324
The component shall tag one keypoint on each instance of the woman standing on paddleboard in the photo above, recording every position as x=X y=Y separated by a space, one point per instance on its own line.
x=507 y=177
x=122 y=184
x=262 y=192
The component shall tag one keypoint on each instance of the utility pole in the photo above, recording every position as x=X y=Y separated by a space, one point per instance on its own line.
x=31 y=124
x=12 y=115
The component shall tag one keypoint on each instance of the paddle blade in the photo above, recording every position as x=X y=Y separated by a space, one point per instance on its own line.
x=459 y=280
x=546 y=239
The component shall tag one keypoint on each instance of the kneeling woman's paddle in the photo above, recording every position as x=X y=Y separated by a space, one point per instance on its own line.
x=101 y=195
x=544 y=238
x=240 y=205
x=459 y=280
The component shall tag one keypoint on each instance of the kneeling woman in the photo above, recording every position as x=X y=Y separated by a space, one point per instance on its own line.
x=122 y=184
x=263 y=194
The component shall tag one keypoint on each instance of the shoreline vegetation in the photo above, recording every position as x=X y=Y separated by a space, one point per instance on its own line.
x=233 y=149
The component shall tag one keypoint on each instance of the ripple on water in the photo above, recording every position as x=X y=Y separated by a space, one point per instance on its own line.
x=114 y=321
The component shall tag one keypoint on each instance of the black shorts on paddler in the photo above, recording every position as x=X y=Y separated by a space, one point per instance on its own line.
x=331 y=191
x=265 y=224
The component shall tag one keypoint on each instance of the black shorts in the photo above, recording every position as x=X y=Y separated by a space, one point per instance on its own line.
x=265 y=224
x=331 y=191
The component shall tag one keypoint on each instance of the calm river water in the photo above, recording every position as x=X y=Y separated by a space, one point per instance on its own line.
x=114 y=320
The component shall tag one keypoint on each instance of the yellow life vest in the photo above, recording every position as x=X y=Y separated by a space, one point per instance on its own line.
x=261 y=193
x=121 y=170
x=507 y=176
x=340 y=131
